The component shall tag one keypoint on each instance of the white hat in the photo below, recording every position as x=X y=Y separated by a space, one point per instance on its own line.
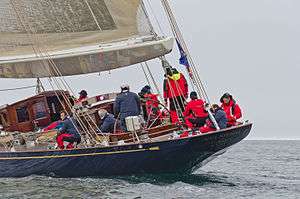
x=102 y=113
x=124 y=87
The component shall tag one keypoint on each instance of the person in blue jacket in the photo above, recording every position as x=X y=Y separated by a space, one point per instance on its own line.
x=68 y=132
x=107 y=121
x=127 y=104
x=220 y=117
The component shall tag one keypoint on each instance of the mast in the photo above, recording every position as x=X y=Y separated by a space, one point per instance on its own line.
x=190 y=65
x=191 y=68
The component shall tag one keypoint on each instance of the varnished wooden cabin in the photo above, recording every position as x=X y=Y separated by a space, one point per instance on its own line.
x=32 y=113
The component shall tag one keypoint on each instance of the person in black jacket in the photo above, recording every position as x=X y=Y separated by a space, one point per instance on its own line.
x=68 y=132
x=127 y=104
x=142 y=94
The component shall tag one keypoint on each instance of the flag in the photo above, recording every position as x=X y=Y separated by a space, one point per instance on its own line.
x=183 y=59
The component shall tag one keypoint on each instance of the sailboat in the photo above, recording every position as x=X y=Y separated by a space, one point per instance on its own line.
x=53 y=39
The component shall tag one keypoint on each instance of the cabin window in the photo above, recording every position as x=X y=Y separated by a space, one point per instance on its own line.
x=22 y=114
x=39 y=110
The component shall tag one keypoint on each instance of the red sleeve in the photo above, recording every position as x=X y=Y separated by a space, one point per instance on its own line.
x=51 y=126
x=186 y=87
x=237 y=112
x=187 y=110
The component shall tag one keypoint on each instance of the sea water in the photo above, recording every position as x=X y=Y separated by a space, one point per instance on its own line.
x=250 y=169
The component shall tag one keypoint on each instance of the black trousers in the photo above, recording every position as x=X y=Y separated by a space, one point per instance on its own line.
x=177 y=102
x=198 y=121
x=72 y=139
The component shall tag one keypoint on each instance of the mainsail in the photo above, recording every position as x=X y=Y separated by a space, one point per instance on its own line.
x=74 y=36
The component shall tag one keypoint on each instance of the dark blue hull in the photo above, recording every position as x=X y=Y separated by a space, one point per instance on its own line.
x=181 y=155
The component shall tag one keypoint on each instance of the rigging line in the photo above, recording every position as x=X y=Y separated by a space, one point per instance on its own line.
x=35 y=40
x=60 y=101
x=63 y=95
x=17 y=88
x=155 y=17
x=99 y=27
x=148 y=82
x=148 y=18
x=178 y=90
x=200 y=83
x=39 y=86
x=84 y=115
x=82 y=124
x=93 y=14
x=65 y=84
x=153 y=80
x=176 y=103
x=63 y=81
x=155 y=85
x=146 y=76
x=192 y=81
x=180 y=37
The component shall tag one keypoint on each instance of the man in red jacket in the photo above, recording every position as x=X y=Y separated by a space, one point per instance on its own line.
x=83 y=95
x=176 y=92
x=231 y=108
x=195 y=113
x=150 y=105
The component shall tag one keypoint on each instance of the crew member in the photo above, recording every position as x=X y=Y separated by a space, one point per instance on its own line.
x=220 y=117
x=68 y=132
x=54 y=125
x=152 y=107
x=107 y=121
x=195 y=113
x=127 y=104
x=83 y=95
x=175 y=92
x=231 y=108
x=142 y=93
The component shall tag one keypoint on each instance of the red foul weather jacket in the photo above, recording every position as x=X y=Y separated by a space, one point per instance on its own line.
x=152 y=101
x=175 y=86
x=195 y=108
x=233 y=111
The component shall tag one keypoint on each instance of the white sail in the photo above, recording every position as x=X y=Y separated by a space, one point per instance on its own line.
x=80 y=36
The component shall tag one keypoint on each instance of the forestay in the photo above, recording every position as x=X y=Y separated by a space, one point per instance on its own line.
x=78 y=36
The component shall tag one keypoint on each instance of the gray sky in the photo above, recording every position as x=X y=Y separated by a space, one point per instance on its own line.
x=249 y=48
